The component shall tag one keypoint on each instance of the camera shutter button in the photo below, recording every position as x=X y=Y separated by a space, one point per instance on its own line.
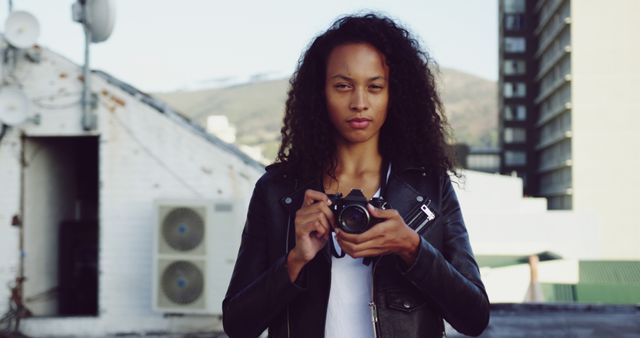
x=419 y=198
x=288 y=200
x=406 y=304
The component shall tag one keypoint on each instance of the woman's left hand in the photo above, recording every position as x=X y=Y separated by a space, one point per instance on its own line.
x=391 y=236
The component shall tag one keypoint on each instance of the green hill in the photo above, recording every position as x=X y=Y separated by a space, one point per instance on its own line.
x=256 y=108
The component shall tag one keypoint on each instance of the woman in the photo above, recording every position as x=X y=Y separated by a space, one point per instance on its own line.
x=362 y=113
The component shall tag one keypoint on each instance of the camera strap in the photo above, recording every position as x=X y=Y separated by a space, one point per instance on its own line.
x=385 y=173
x=334 y=251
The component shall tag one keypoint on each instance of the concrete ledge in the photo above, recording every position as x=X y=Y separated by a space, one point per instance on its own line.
x=561 y=320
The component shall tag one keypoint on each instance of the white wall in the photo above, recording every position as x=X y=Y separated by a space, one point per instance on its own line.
x=9 y=206
x=144 y=155
x=501 y=221
x=606 y=116
x=510 y=284
x=483 y=192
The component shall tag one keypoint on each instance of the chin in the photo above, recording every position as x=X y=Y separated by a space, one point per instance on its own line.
x=354 y=138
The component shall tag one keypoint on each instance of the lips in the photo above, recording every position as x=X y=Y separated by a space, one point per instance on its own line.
x=359 y=122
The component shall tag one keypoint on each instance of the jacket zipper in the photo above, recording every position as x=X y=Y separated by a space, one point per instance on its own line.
x=286 y=251
x=422 y=211
x=430 y=216
x=421 y=215
x=372 y=303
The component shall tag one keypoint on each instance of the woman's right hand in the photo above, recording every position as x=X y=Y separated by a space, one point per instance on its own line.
x=314 y=222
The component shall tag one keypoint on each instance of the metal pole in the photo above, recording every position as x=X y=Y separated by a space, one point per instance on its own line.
x=88 y=121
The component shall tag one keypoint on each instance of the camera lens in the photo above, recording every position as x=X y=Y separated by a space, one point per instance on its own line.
x=354 y=218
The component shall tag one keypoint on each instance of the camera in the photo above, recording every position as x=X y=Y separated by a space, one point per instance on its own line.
x=351 y=211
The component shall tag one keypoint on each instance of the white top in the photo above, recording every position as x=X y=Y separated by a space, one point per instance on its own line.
x=348 y=313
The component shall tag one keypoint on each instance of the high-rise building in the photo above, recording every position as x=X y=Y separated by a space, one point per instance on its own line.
x=570 y=105
x=517 y=69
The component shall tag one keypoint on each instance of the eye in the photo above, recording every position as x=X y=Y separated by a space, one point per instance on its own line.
x=376 y=87
x=342 y=86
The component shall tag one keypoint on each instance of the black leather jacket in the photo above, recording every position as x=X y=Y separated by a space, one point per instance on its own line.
x=443 y=283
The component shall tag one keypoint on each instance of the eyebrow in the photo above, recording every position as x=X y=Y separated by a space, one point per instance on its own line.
x=344 y=77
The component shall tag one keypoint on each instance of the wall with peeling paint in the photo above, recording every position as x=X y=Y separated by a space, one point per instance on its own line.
x=146 y=152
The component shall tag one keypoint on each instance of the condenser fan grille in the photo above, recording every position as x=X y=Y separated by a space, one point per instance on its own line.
x=183 y=229
x=182 y=282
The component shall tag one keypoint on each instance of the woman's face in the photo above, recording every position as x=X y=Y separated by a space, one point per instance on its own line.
x=357 y=92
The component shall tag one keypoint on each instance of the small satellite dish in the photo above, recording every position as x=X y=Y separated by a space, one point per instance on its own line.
x=21 y=29
x=13 y=106
x=101 y=17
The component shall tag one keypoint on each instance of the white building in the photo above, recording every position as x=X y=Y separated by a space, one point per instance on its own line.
x=101 y=192
x=506 y=227
x=572 y=133
x=220 y=126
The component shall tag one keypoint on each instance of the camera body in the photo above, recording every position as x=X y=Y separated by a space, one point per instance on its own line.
x=351 y=211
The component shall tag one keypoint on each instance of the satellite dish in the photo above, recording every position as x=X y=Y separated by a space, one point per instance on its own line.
x=101 y=16
x=13 y=106
x=21 y=29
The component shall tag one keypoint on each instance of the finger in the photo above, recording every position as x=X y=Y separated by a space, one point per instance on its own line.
x=329 y=215
x=374 y=232
x=317 y=214
x=312 y=196
x=382 y=213
x=315 y=208
x=319 y=230
x=356 y=246
x=372 y=248
x=317 y=217
x=368 y=253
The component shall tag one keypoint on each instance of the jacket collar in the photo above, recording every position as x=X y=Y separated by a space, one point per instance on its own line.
x=400 y=194
x=402 y=166
x=399 y=168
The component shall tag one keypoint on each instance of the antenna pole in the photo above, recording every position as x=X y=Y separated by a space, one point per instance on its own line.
x=88 y=101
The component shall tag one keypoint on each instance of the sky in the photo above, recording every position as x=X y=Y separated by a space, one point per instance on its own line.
x=163 y=45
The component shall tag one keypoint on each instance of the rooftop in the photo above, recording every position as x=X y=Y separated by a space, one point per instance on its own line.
x=561 y=320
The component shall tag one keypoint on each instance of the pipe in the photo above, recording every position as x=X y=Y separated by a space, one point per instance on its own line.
x=88 y=119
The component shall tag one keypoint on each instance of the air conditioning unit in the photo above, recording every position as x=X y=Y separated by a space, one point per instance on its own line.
x=192 y=264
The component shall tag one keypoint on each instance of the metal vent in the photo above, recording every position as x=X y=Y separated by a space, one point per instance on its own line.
x=182 y=282
x=183 y=229
x=223 y=207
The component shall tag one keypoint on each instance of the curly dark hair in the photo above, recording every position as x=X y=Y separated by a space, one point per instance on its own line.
x=415 y=129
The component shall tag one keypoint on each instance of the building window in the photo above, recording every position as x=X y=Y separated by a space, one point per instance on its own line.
x=514 y=67
x=515 y=89
x=515 y=112
x=515 y=135
x=559 y=203
x=513 y=158
x=514 y=22
x=483 y=162
x=514 y=45
x=514 y=6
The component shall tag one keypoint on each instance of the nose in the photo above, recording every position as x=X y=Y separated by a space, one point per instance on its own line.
x=359 y=100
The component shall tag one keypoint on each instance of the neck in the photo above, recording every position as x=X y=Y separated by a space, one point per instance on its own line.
x=358 y=159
